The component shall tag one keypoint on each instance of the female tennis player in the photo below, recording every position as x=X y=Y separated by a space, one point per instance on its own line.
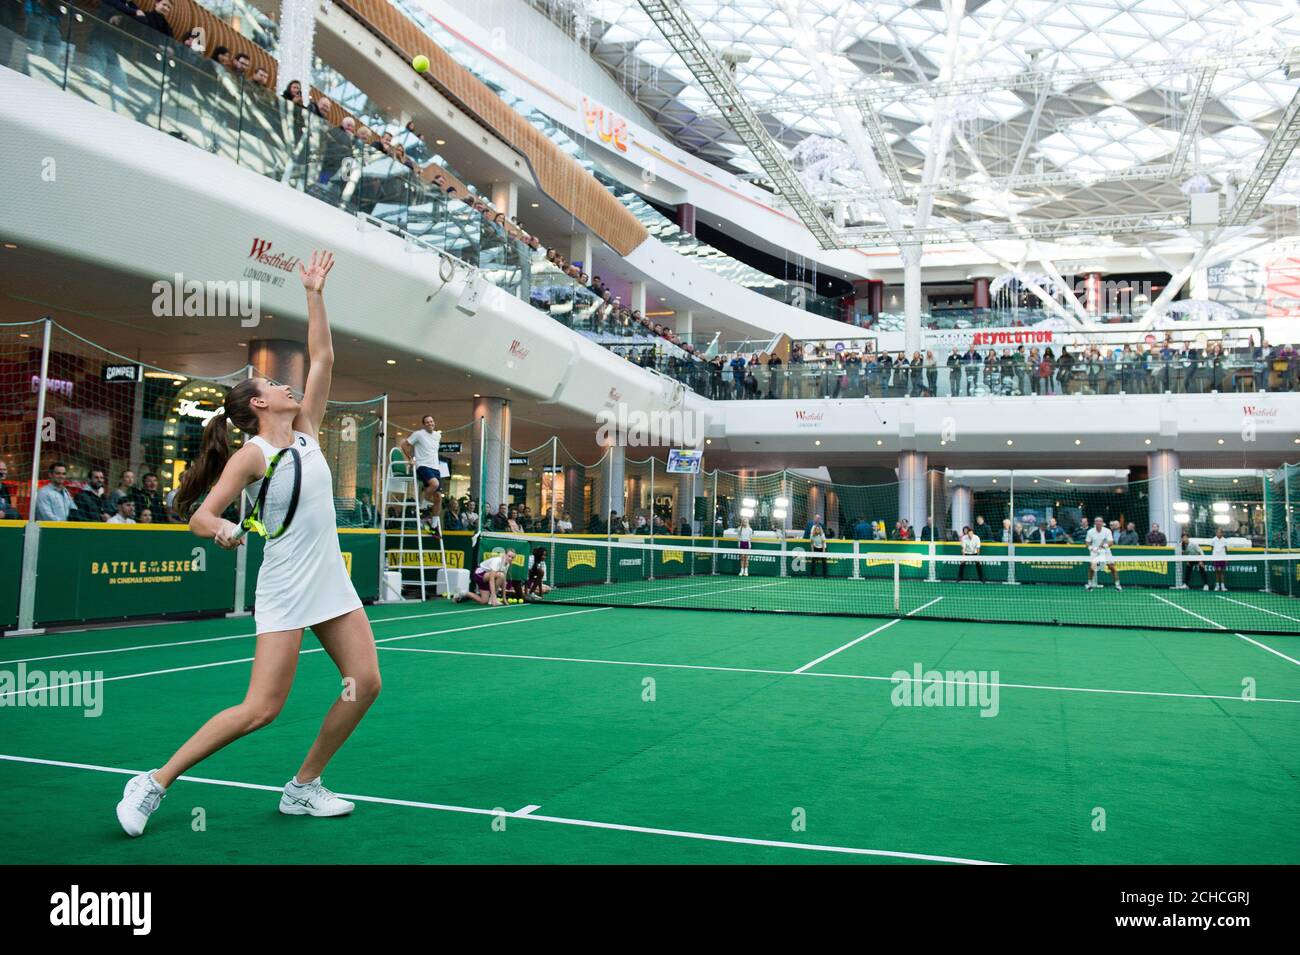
x=744 y=535
x=302 y=582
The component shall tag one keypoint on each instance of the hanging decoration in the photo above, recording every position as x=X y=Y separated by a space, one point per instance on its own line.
x=294 y=52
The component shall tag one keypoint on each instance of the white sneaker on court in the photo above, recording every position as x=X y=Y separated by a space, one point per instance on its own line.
x=312 y=799
x=140 y=799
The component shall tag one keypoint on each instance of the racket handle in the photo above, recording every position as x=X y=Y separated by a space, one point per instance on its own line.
x=240 y=532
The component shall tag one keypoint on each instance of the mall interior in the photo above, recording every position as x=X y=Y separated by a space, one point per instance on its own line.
x=893 y=285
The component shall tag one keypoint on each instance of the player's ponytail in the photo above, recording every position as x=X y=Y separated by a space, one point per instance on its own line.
x=214 y=447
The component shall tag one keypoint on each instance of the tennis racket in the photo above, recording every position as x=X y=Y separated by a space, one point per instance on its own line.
x=277 y=498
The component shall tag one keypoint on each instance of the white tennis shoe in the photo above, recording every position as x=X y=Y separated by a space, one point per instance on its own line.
x=312 y=799
x=140 y=799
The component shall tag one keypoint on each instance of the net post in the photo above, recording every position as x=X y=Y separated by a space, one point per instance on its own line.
x=650 y=555
x=898 y=563
x=1175 y=536
x=857 y=568
x=40 y=419
x=1290 y=539
x=713 y=524
x=555 y=476
x=380 y=498
x=1011 y=534
x=32 y=531
x=1263 y=485
x=609 y=507
x=930 y=476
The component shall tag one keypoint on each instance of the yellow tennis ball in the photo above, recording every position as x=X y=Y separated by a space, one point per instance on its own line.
x=421 y=63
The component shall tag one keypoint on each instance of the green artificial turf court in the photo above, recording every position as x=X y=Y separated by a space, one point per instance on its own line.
x=559 y=733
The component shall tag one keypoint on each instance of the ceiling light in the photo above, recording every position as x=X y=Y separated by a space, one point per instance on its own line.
x=1078 y=441
x=440 y=142
x=536 y=205
x=1220 y=441
x=1010 y=442
x=392 y=361
x=1147 y=441
x=879 y=442
x=818 y=443
x=749 y=502
x=10 y=245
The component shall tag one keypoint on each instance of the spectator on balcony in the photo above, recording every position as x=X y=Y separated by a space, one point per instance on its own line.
x=737 y=365
x=261 y=78
x=125 y=512
x=1128 y=537
x=984 y=531
x=92 y=502
x=222 y=55
x=53 y=501
x=1156 y=537
x=323 y=107
x=193 y=41
x=928 y=532
x=1064 y=370
x=241 y=63
x=293 y=92
x=931 y=374
x=111 y=9
x=564 y=525
x=150 y=497
x=7 y=510
x=156 y=19
x=954 y=361
x=384 y=143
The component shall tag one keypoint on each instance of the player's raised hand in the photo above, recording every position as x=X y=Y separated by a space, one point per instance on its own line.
x=313 y=275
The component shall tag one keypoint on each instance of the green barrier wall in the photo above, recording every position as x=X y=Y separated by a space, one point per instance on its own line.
x=11 y=546
x=98 y=572
x=109 y=572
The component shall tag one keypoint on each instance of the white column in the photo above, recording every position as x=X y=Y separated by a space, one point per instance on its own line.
x=912 y=493
x=495 y=448
x=1162 y=492
x=962 y=500
x=911 y=299
x=685 y=324
x=580 y=250
x=505 y=198
x=638 y=297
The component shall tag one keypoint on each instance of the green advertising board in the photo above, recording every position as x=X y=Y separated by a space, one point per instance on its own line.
x=116 y=571
x=11 y=543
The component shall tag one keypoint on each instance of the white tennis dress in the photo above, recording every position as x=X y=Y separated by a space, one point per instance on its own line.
x=303 y=580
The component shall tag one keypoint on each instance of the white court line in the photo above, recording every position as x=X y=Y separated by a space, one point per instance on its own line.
x=1189 y=612
x=1242 y=603
x=221 y=663
x=834 y=676
x=556 y=820
x=851 y=643
x=728 y=590
x=1262 y=646
x=233 y=636
x=527 y=810
x=809 y=666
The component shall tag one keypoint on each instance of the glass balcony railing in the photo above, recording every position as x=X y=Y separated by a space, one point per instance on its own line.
x=136 y=72
x=1000 y=374
x=658 y=225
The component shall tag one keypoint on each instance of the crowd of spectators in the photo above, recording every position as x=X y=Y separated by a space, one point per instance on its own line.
x=1148 y=368
x=91 y=500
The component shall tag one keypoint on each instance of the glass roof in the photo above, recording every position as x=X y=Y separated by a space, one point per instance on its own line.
x=1087 y=136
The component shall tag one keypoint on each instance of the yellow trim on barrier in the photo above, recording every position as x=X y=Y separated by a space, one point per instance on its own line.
x=7 y=523
x=105 y=526
x=358 y=530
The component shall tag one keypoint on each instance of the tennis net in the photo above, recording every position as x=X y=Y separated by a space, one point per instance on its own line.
x=1157 y=588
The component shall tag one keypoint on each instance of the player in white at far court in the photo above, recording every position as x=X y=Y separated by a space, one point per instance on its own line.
x=303 y=581
x=1099 y=541
x=744 y=539
x=422 y=450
